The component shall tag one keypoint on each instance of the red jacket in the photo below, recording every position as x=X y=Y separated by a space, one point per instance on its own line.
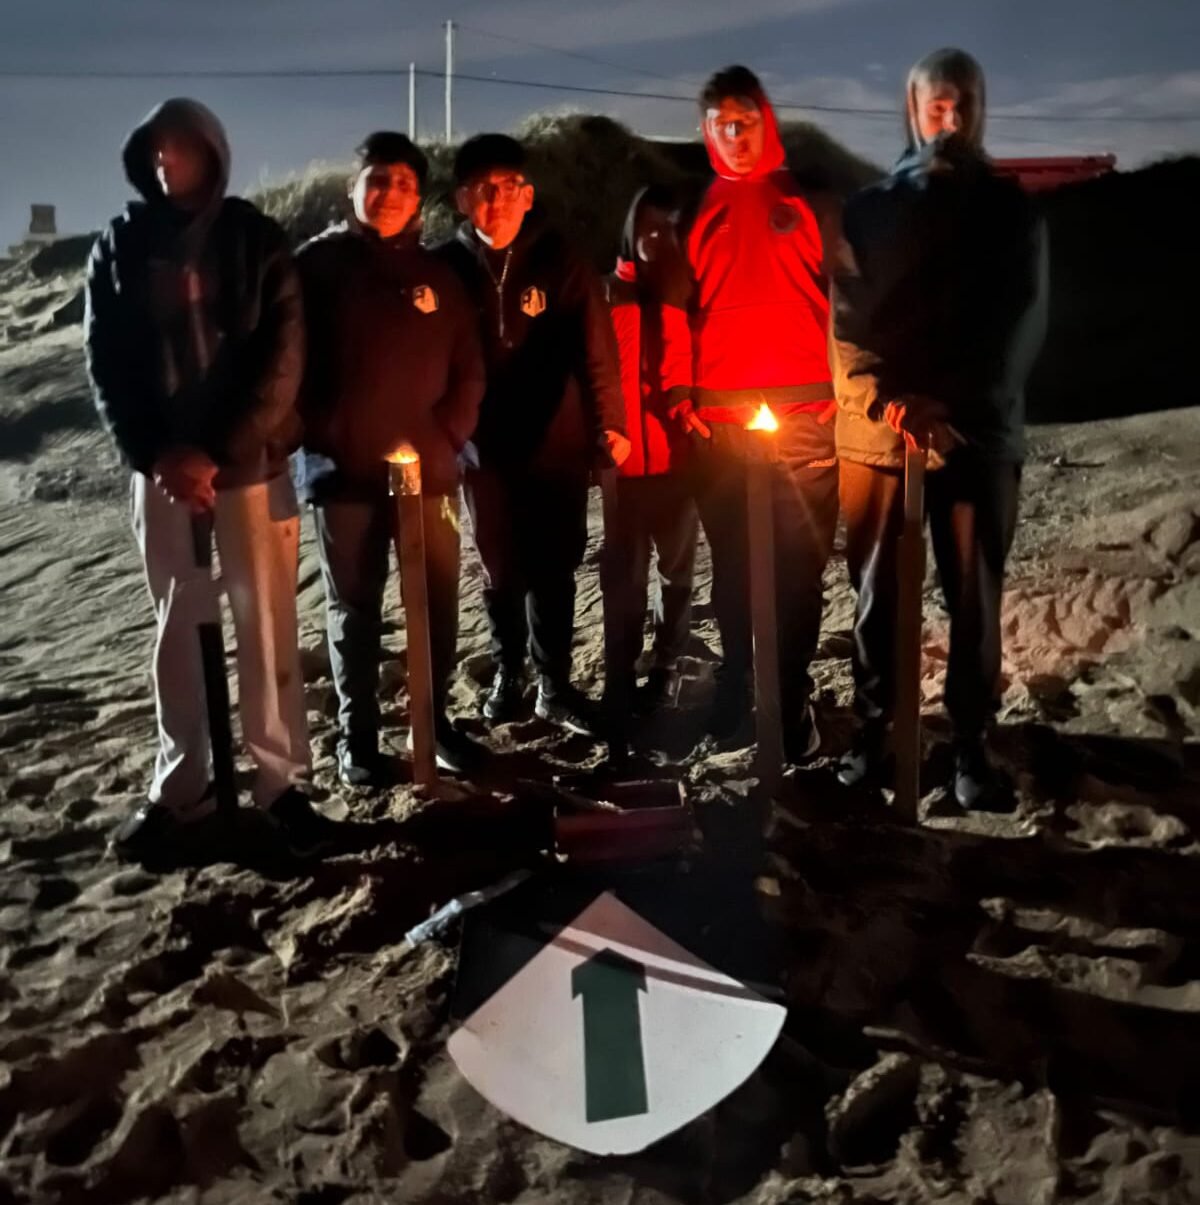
x=655 y=347
x=760 y=310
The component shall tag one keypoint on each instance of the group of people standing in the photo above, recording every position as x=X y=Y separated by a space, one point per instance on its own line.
x=517 y=373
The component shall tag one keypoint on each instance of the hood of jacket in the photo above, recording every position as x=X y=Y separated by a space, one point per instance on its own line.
x=773 y=156
x=182 y=116
x=949 y=66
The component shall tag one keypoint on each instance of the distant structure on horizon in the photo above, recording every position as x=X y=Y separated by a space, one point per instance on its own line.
x=1053 y=171
x=43 y=229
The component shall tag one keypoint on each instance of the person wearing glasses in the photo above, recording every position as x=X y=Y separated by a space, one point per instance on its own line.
x=553 y=411
x=760 y=314
x=393 y=357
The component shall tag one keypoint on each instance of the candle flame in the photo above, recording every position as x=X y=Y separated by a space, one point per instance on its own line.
x=763 y=420
x=405 y=453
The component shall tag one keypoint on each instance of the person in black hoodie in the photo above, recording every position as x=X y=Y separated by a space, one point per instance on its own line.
x=195 y=341
x=393 y=357
x=939 y=312
x=552 y=412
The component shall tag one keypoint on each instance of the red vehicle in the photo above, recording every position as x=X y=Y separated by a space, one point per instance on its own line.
x=1040 y=175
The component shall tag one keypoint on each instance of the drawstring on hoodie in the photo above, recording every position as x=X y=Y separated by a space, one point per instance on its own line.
x=499 y=283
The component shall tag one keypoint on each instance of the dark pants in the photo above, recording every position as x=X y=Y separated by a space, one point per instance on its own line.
x=805 y=495
x=353 y=539
x=650 y=513
x=972 y=511
x=531 y=533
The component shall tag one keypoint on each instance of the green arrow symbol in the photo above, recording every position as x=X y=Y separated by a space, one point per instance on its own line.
x=614 y=1069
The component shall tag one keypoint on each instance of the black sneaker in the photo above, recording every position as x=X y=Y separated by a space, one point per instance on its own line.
x=149 y=828
x=361 y=769
x=455 y=751
x=502 y=703
x=978 y=784
x=730 y=707
x=658 y=691
x=864 y=762
x=567 y=707
x=802 y=741
x=307 y=832
x=152 y=828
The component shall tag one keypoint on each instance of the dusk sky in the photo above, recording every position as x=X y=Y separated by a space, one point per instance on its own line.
x=1055 y=59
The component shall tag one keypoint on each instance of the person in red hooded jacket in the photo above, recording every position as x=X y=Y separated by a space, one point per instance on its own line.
x=650 y=505
x=760 y=314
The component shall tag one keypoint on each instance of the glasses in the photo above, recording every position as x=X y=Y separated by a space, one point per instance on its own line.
x=506 y=190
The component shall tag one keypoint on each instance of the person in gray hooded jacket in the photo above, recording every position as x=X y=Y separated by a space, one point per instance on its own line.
x=938 y=314
x=195 y=342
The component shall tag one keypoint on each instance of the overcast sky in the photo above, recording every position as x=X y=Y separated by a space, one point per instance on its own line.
x=1063 y=59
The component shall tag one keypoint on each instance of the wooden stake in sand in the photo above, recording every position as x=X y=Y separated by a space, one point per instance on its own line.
x=907 y=725
x=216 y=683
x=768 y=722
x=404 y=484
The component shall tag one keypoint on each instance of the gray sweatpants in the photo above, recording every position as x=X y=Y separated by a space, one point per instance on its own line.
x=257 y=538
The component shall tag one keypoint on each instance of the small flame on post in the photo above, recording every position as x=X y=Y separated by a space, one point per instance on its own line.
x=763 y=420
x=404 y=471
x=404 y=453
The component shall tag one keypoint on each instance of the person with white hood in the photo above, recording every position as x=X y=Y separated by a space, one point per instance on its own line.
x=938 y=314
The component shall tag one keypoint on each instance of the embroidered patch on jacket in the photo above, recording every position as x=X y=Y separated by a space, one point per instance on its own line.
x=425 y=299
x=533 y=302
x=784 y=218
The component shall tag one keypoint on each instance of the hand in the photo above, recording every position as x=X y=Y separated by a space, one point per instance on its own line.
x=687 y=418
x=694 y=425
x=826 y=416
x=922 y=422
x=617 y=446
x=186 y=476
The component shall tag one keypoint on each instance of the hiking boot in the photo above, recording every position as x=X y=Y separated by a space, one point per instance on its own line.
x=659 y=690
x=455 y=751
x=153 y=827
x=730 y=707
x=802 y=741
x=502 y=703
x=863 y=763
x=306 y=831
x=567 y=707
x=977 y=783
x=363 y=769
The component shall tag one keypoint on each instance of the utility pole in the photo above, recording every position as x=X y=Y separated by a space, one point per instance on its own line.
x=412 y=101
x=449 y=82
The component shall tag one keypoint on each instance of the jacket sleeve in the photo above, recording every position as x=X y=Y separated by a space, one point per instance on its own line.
x=117 y=387
x=675 y=370
x=316 y=291
x=276 y=364
x=458 y=411
x=600 y=371
x=856 y=369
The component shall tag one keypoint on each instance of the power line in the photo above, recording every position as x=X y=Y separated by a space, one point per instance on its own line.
x=575 y=54
x=393 y=72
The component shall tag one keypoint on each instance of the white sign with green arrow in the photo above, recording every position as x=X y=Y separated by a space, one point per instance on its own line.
x=613 y=1036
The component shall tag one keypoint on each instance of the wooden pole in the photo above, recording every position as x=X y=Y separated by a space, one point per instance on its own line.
x=907 y=724
x=216 y=680
x=412 y=102
x=768 y=720
x=404 y=479
x=449 y=82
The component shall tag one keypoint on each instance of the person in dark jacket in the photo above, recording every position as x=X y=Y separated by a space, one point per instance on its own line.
x=195 y=341
x=759 y=322
x=651 y=507
x=551 y=413
x=393 y=358
x=939 y=313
